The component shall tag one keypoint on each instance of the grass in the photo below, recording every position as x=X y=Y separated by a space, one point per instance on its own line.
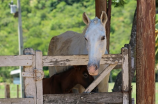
x=134 y=91
x=13 y=91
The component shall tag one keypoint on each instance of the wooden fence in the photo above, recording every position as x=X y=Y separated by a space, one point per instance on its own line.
x=33 y=62
x=8 y=90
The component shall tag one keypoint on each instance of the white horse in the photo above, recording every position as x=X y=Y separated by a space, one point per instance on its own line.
x=92 y=42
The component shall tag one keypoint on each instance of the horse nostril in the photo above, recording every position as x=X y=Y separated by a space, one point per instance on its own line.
x=96 y=67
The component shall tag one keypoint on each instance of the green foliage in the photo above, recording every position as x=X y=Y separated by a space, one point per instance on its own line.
x=43 y=19
x=121 y=24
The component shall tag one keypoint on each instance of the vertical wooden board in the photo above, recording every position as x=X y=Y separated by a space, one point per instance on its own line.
x=39 y=86
x=130 y=72
x=29 y=83
x=125 y=76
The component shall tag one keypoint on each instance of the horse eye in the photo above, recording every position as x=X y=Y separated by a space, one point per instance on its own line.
x=85 y=75
x=103 y=37
x=86 y=39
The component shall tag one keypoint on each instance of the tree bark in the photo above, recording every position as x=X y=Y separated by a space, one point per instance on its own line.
x=108 y=24
x=101 y=5
x=145 y=49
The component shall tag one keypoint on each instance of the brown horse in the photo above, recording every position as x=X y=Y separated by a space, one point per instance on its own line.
x=65 y=81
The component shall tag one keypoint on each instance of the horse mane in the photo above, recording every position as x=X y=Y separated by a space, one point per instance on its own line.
x=93 y=20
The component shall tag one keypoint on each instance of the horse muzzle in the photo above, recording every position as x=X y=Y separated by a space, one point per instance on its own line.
x=92 y=70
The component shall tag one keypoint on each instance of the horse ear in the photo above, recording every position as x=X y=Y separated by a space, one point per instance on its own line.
x=103 y=18
x=86 y=19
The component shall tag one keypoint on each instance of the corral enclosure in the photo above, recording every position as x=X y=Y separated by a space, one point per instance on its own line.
x=41 y=21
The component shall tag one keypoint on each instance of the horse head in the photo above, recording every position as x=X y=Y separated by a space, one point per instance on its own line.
x=95 y=36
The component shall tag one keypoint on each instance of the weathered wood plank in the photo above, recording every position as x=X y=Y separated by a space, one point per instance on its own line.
x=125 y=76
x=79 y=60
x=39 y=85
x=130 y=72
x=29 y=83
x=20 y=60
x=108 y=97
x=100 y=77
x=17 y=101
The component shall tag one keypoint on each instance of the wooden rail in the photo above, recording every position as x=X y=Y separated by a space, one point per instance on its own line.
x=20 y=60
x=106 y=97
x=27 y=60
x=79 y=60
x=17 y=101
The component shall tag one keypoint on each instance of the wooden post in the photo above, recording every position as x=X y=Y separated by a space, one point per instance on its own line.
x=101 y=5
x=125 y=76
x=130 y=68
x=17 y=91
x=29 y=82
x=145 y=52
x=7 y=91
x=39 y=85
x=108 y=24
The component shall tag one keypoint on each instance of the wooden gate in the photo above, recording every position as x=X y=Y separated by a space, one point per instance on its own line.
x=33 y=62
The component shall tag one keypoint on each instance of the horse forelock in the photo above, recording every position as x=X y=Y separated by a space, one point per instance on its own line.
x=94 y=21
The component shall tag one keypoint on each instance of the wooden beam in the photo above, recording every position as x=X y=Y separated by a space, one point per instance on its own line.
x=79 y=60
x=16 y=101
x=20 y=60
x=145 y=52
x=93 y=98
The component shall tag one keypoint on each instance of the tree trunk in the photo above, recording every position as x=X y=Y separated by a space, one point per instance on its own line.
x=145 y=49
x=101 y=5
